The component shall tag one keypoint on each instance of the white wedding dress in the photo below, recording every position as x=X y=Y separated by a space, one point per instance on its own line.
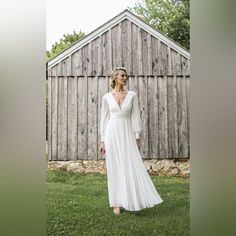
x=129 y=184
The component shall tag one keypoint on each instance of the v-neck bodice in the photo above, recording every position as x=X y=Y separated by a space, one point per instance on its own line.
x=116 y=111
x=120 y=106
x=128 y=112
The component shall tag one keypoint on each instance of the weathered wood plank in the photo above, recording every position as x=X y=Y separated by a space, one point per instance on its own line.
x=184 y=65
x=85 y=58
x=94 y=63
x=188 y=112
x=82 y=117
x=62 y=118
x=65 y=67
x=134 y=51
x=116 y=46
x=153 y=117
x=169 y=61
x=178 y=65
x=149 y=52
x=119 y=45
x=160 y=63
x=92 y=118
x=90 y=59
x=175 y=63
x=77 y=63
x=107 y=63
x=104 y=53
x=72 y=118
x=59 y=69
x=126 y=87
x=126 y=45
x=102 y=89
x=100 y=56
x=142 y=82
x=129 y=42
x=109 y=53
x=164 y=59
x=172 y=117
x=188 y=67
x=54 y=70
x=54 y=116
x=144 y=47
x=133 y=83
x=155 y=56
x=162 y=113
x=182 y=117
x=49 y=72
x=49 y=118
x=70 y=65
x=139 y=52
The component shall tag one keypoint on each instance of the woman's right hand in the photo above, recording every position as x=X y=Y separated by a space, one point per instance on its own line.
x=102 y=148
x=138 y=141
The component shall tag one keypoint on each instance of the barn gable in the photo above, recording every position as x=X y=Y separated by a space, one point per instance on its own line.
x=158 y=71
x=127 y=41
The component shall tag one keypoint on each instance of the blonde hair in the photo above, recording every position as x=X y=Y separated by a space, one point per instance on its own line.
x=114 y=74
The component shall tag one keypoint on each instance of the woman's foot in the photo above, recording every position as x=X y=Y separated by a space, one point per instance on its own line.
x=116 y=210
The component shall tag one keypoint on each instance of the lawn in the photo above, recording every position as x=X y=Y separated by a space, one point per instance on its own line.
x=77 y=204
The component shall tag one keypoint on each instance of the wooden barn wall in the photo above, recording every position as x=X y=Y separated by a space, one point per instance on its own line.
x=126 y=45
x=74 y=115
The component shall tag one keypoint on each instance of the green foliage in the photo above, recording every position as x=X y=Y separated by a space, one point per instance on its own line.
x=64 y=43
x=171 y=17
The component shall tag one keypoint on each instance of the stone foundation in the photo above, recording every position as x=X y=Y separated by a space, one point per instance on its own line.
x=160 y=167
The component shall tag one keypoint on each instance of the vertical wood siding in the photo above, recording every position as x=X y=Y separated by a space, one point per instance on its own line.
x=72 y=118
x=82 y=116
x=157 y=73
x=75 y=109
x=123 y=45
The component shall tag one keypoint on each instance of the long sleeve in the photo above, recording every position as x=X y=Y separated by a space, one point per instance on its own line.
x=105 y=116
x=135 y=117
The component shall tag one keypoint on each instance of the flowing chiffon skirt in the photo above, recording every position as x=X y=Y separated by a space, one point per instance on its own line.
x=129 y=184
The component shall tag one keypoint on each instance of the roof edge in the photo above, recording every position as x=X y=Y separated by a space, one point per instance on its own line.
x=126 y=14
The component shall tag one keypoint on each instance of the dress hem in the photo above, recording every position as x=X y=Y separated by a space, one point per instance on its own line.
x=141 y=208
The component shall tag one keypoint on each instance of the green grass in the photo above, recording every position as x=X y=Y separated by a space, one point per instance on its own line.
x=77 y=204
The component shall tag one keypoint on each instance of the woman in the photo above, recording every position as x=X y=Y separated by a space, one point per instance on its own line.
x=129 y=184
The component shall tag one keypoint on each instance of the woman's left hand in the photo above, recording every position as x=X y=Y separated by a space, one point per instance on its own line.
x=138 y=142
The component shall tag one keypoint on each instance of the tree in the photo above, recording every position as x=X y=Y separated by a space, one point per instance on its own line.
x=171 y=17
x=64 y=42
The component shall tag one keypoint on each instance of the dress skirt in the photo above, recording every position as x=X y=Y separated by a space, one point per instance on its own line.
x=129 y=183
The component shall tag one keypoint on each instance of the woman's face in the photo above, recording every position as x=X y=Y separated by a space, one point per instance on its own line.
x=121 y=77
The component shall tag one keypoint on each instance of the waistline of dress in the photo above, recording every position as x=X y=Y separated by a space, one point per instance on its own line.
x=120 y=116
